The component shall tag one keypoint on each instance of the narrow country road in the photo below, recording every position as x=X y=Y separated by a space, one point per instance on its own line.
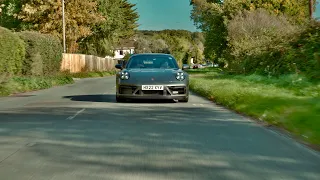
x=79 y=132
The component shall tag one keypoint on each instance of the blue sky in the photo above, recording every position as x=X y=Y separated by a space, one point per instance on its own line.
x=169 y=14
x=164 y=14
x=317 y=14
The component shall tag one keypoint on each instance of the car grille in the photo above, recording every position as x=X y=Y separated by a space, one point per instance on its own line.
x=153 y=92
x=127 y=89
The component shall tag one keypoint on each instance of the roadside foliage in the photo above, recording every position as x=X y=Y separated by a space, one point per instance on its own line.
x=43 y=53
x=270 y=57
x=291 y=101
x=258 y=36
x=182 y=44
x=92 y=26
x=31 y=38
x=12 y=52
x=119 y=22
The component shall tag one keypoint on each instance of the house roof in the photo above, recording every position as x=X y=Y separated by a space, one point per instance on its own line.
x=125 y=44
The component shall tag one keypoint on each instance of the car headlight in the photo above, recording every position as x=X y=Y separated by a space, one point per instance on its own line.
x=180 y=76
x=124 y=75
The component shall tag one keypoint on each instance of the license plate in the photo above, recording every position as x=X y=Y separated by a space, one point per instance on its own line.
x=152 y=87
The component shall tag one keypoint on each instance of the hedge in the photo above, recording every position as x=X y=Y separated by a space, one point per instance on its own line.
x=12 y=52
x=43 y=53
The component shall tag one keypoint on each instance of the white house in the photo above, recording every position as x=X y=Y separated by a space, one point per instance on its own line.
x=191 y=61
x=124 y=47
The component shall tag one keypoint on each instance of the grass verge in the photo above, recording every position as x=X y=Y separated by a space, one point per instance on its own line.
x=290 y=102
x=22 y=84
x=93 y=74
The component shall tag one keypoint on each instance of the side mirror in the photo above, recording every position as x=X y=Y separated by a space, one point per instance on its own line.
x=118 y=66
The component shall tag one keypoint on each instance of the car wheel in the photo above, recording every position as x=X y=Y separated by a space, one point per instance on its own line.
x=185 y=100
x=118 y=99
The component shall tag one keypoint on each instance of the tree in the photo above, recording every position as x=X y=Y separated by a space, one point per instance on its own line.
x=212 y=17
x=120 y=23
x=8 y=14
x=209 y=17
x=46 y=17
x=180 y=43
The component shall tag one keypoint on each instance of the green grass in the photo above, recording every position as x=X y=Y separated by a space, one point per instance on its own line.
x=93 y=74
x=203 y=70
x=290 y=101
x=22 y=84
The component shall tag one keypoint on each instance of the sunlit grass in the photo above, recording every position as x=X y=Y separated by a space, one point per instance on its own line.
x=20 y=84
x=290 y=101
x=29 y=83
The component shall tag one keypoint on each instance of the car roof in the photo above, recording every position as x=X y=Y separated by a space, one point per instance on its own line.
x=144 y=54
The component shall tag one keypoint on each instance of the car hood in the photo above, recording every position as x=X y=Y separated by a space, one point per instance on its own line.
x=153 y=76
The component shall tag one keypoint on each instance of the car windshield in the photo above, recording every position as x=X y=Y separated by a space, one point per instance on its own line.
x=152 y=62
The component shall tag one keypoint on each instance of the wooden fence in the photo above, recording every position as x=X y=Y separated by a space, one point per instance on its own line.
x=81 y=62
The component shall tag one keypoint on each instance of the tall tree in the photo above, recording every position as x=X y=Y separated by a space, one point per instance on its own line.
x=120 y=23
x=46 y=17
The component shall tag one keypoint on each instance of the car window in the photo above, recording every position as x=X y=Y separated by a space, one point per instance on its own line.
x=152 y=62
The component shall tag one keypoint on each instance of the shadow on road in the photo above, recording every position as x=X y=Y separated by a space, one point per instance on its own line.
x=93 y=98
x=146 y=143
x=111 y=98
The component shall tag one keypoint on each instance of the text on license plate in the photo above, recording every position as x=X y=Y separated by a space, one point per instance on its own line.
x=152 y=87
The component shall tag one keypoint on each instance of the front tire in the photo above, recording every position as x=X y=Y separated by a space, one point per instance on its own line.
x=185 y=100
x=119 y=99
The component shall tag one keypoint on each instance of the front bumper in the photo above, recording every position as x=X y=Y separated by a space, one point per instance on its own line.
x=172 y=91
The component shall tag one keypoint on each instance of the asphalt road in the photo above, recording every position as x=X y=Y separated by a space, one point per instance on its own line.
x=79 y=132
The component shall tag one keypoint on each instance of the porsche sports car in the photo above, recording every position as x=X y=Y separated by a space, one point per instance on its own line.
x=152 y=76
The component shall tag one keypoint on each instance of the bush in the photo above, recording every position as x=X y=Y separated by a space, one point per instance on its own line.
x=12 y=52
x=269 y=45
x=251 y=32
x=300 y=56
x=305 y=52
x=253 y=38
x=43 y=53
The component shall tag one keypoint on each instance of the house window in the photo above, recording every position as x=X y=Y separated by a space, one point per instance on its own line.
x=121 y=52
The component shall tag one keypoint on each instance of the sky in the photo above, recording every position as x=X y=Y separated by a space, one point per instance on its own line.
x=317 y=14
x=169 y=14
x=164 y=14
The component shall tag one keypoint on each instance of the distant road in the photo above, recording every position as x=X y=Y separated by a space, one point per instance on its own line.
x=79 y=132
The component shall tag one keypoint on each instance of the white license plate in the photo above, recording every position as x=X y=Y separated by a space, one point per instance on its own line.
x=152 y=87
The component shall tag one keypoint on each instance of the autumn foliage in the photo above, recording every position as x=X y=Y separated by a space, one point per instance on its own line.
x=91 y=25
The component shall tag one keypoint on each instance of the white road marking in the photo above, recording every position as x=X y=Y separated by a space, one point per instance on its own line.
x=75 y=115
x=197 y=105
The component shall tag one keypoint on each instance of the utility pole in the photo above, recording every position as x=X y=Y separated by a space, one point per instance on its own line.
x=311 y=8
x=64 y=28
